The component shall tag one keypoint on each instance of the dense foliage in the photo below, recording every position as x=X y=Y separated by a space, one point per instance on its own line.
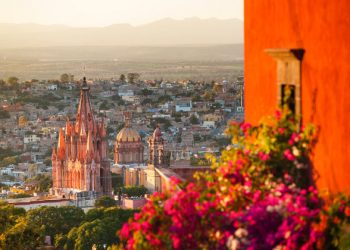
x=105 y=201
x=134 y=191
x=4 y=114
x=40 y=182
x=68 y=226
x=259 y=196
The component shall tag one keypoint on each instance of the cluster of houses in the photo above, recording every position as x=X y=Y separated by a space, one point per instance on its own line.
x=187 y=111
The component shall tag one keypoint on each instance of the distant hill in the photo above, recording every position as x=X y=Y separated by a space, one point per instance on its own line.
x=165 y=32
x=228 y=52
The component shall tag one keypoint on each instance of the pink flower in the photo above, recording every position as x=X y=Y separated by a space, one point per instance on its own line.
x=174 y=180
x=176 y=242
x=124 y=232
x=294 y=138
x=245 y=126
x=288 y=155
x=278 y=114
x=263 y=156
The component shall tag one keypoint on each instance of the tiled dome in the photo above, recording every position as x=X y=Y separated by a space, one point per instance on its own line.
x=128 y=134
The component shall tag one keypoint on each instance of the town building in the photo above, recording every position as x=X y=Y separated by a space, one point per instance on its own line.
x=80 y=162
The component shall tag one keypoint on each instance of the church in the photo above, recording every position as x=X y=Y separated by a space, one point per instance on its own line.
x=80 y=162
x=81 y=167
x=128 y=156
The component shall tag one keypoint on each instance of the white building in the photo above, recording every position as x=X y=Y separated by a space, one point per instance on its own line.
x=184 y=105
x=31 y=138
x=52 y=87
x=125 y=90
x=209 y=124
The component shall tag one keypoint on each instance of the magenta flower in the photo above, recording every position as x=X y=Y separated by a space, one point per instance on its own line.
x=288 y=155
x=263 y=156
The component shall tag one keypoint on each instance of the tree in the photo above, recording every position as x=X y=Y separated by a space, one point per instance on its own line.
x=55 y=220
x=21 y=236
x=215 y=105
x=194 y=119
x=146 y=101
x=122 y=78
x=135 y=191
x=41 y=182
x=9 y=215
x=117 y=181
x=8 y=161
x=18 y=196
x=146 y=92
x=104 y=105
x=64 y=78
x=133 y=77
x=164 y=99
x=12 y=80
x=105 y=201
x=4 y=114
x=197 y=98
x=2 y=84
x=98 y=229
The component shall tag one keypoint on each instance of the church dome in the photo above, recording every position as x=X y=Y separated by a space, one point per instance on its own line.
x=128 y=134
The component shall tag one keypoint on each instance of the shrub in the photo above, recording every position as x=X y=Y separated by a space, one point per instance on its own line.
x=259 y=196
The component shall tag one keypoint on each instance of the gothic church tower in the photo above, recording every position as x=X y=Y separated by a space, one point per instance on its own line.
x=80 y=162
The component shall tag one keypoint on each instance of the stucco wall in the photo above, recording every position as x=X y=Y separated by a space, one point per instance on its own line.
x=321 y=27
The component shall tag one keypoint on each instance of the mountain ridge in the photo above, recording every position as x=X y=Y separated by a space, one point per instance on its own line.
x=163 y=32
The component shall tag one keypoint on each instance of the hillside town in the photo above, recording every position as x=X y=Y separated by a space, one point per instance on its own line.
x=191 y=115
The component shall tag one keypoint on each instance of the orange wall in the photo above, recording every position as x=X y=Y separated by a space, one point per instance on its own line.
x=322 y=28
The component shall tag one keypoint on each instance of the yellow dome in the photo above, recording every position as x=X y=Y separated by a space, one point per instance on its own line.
x=128 y=134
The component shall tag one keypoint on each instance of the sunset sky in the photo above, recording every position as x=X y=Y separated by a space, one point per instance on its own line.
x=105 y=12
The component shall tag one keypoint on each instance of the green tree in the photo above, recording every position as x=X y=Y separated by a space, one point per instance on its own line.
x=105 y=201
x=122 y=78
x=197 y=98
x=99 y=229
x=18 y=196
x=64 y=78
x=133 y=77
x=194 y=119
x=55 y=220
x=9 y=215
x=12 y=80
x=4 y=114
x=164 y=98
x=147 y=101
x=104 y=105
x=117 y=181
x=41 y=182
x=146 y=92
x=134 y=191
x=22 y=236
x=2 y=83
x=215 y=105
x=8 y=161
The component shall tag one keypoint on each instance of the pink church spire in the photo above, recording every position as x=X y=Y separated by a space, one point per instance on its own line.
x=61 y=147
x=85 y=114
x=89 y=147
x=68 y=127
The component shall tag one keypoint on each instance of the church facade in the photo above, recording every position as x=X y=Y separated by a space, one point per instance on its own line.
x=80 y=162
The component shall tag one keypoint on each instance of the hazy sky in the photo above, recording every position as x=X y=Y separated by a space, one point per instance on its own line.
x=105 y=12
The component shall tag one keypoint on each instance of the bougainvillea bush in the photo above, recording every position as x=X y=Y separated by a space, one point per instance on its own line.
x=259 y=195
